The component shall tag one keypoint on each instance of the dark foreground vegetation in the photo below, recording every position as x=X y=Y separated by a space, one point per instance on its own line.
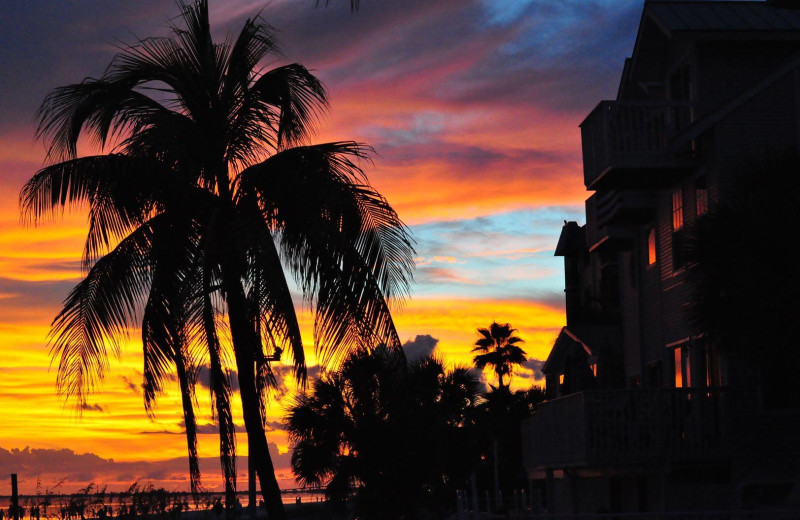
x=394 y=438
x=142 y=501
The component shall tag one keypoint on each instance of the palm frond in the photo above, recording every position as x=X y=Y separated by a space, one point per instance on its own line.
x=98 y=312
x=300 y=97
x=271 y=297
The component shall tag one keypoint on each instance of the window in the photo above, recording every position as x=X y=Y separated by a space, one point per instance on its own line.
x=683 y=375
x=677 y=230
x=700 y=196
x=677 y=210
x=651 y=247
x=713 y=368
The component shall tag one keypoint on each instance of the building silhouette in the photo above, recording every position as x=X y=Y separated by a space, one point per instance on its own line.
x=645 y=412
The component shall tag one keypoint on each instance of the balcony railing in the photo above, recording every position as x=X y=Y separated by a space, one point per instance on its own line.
x=625 y=142
x=602 y=230
x=619 y=427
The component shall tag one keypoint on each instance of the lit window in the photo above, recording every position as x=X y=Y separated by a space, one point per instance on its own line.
x=677 y=210
x=701 y=194
x=561 y=379
x=677 y=230
x=683 y=375
x=651 y=247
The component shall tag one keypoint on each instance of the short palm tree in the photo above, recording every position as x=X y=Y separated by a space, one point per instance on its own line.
x=402 y=433
x=209 y=193
x=498 y=348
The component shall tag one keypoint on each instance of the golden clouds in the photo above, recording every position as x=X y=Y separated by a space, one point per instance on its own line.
x=455 y=322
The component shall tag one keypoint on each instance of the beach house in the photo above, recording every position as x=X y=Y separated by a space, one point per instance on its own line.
x=645 y=412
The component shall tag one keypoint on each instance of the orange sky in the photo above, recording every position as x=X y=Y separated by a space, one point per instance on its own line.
x=473 y=111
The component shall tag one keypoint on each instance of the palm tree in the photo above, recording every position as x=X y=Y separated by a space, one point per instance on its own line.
x=401 y=432
x=498 y=348
x=210 y=188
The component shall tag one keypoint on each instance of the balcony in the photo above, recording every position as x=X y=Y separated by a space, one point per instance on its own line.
x=625 y=427
x=604 y=228
x=630 y=144
x=625 y=207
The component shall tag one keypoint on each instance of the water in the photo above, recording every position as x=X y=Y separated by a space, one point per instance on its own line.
x=154 y=499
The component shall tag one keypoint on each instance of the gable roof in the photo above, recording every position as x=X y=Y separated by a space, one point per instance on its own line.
x=662 y=20
x=722 y=16
x=581 y=342
x=571 y=240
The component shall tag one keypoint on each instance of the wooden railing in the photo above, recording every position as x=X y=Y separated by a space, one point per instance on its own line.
x=629 y=133
x=618 y=427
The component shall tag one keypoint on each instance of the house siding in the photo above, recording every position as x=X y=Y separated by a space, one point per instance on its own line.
x=745 y=105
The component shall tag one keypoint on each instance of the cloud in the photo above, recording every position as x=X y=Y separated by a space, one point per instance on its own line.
x=211 y=428
x=130 y=385
x=421 y=346
x=76 y=470
x=443 y=275
x=92 y=407
x=535 y=366
x=284 y=378
x=25 y=301
x=472 y=105
x=283 y=375
x=204 y=378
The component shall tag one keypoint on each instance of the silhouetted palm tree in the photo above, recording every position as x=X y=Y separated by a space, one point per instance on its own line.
x=499 y=418
x=402 y=433
x=498 y=349
x=209 y=191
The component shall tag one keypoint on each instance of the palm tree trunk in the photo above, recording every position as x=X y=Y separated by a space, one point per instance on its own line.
x=189 y=422
x=245 y=344
x=258 y=449
x=221 y=390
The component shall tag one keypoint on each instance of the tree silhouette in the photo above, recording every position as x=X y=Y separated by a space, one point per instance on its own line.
x=499 y=419
x=498 y=349
x=402 y=433
x=209 y=190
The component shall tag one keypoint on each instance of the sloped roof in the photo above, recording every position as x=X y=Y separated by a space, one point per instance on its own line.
x=571 y=240
x=581 y=341
x=722 y=16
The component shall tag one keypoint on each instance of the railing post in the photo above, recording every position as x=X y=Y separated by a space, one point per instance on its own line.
x=474 y=486
x=14 y=497
x=536 y=500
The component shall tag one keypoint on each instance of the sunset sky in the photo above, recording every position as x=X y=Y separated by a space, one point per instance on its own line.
x=473 y=108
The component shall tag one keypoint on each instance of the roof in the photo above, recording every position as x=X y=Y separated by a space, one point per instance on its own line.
x=581 y=341
x=722 y=16
x=566 y=345
x=571 y=240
